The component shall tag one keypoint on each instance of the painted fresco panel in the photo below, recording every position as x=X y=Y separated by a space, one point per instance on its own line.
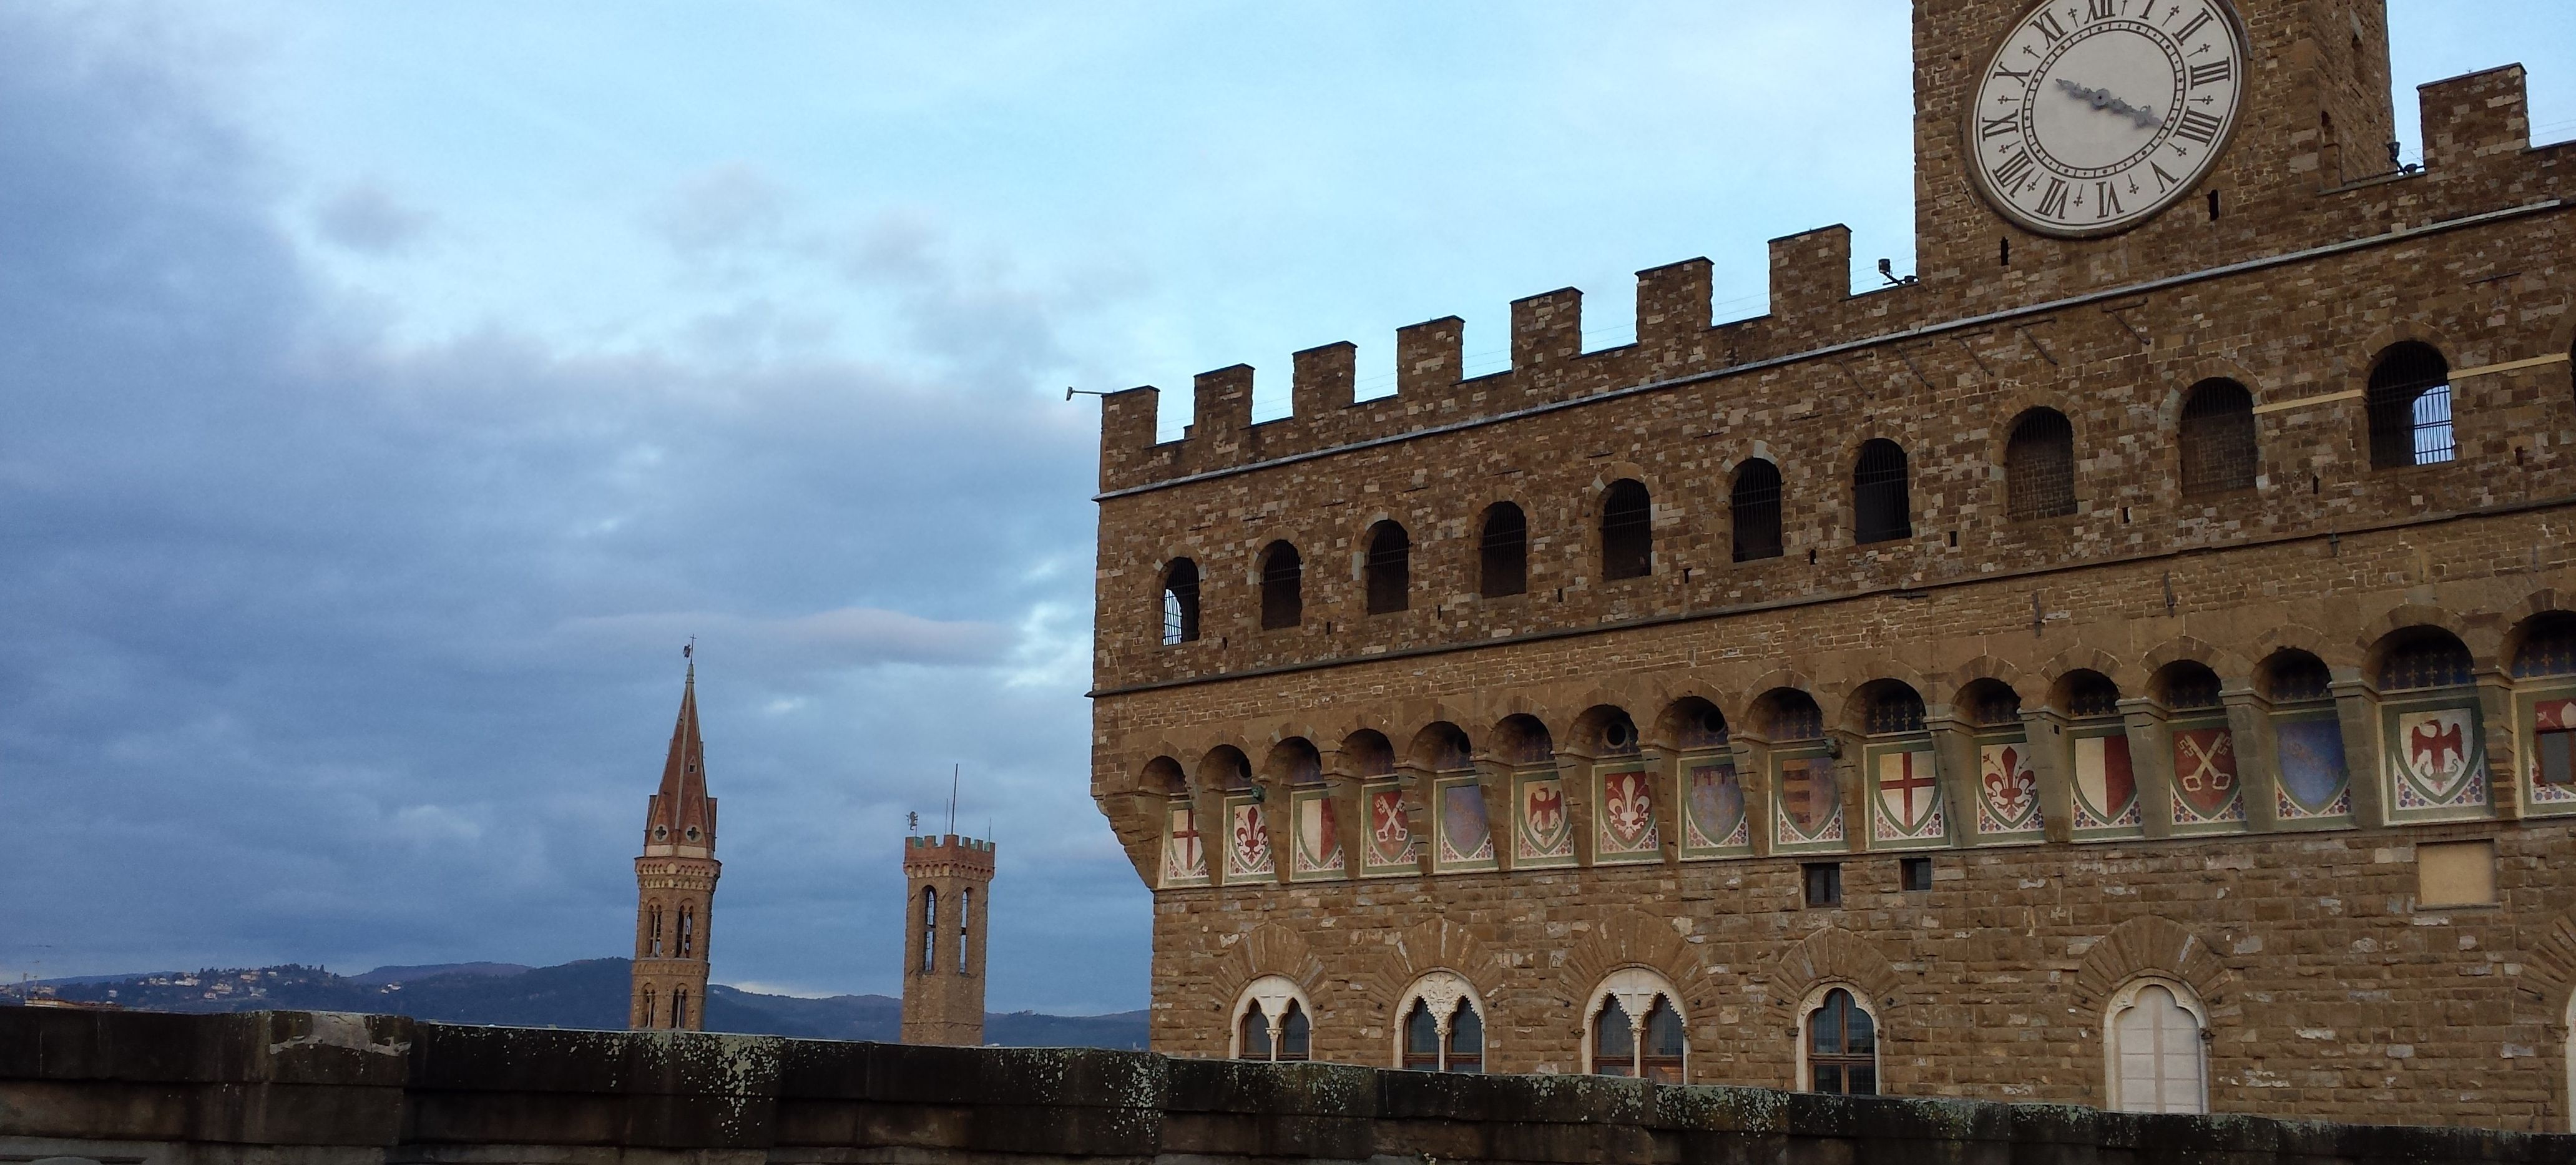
x=1461 y=837
x=2007 y=792
x=1904 y=796
x=1806 y=804
x=2106 y=788
x=1714 y=821
x=1184 y=848
x=2436 y=760
x=1315 y=821
x=1625 y=818
x=1247 y=842
x=1392 y=848
x=2549 y=752
x=1542 y=829
x=2315 y=782
x=2207 y=797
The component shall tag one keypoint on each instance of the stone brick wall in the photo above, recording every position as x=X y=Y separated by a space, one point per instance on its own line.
x=292 y=1088
x=2332 y=992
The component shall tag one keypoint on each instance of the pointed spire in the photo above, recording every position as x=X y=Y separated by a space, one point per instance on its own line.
x=681 y=817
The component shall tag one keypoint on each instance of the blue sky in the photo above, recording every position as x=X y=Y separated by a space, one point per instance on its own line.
x=393 y=387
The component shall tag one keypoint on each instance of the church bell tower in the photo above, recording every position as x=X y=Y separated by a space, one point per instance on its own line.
x=675 y=884
x=948 y=878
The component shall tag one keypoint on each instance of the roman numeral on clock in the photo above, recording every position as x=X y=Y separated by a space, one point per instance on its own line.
x=2106 y=200
x=2046 y=23
x=2197 y=23
x=2164 y=181
x=2102 y=9
x=2052 y=202
x=1995 y=127
x=2211 y=73
x=2013 y=170
x=2197 y=126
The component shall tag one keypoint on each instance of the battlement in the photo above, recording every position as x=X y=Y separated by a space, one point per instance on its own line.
x=923 y=853
x=2477 y=157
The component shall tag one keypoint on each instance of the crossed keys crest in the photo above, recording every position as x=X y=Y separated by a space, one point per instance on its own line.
x=2207 y=768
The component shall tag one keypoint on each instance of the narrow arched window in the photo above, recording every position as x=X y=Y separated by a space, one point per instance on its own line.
x=1754 y=510
x=2039 y=466
x=1627 y=531
x=653 y=931
x=1661 y=1058
x=1422 y=1038
x=1466 y=1051
x=965 y=910
x=929 y=929
x=1614 y=1040
x=2156 y=1052
x=688 y=932
x=1283 y=587
x=644 y=1014
x=1293 y=1033
x=2410 y=408
x=1181 y=602
x=2217 y=435
x=1503 y=552
x=679 y=1007
x=1842 y=1047
x=1253 y=1035
x=1390 y=568
x=1882 y=508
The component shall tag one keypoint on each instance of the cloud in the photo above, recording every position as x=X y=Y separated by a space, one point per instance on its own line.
x=336 y=651
x=731 y=207
x=368 y=219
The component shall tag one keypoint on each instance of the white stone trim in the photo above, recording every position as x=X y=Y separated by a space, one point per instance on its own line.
x=1271 y=993
x=1444 y=990
x=2127 y=997
x=1636 y=988
x=1807 y=1009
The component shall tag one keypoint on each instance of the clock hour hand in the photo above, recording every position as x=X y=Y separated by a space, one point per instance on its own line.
x=2102 y=99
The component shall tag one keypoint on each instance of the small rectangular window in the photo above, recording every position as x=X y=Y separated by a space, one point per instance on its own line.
x=2558 y=757
x=1824 y=884
x=1915 y=873
x=2455 y=873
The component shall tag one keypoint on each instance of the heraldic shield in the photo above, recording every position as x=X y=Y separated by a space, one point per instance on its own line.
x=2204 y=761
x=2437 y=759
x=2313 y=777
x=1390 y=838
x=2007 y=789
x=1811 y=804
x=1464 y=836
x=2106 y=791
x=1545 y=831
x=1715 y=807
x=1627 y=814
x=1319 y=842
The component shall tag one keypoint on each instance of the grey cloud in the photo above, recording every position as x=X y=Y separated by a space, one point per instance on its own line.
x=295 y=617
x=728 y=207
x=367 y=218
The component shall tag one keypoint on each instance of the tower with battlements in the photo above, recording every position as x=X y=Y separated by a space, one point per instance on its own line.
x=948 y=879
x=675 y=884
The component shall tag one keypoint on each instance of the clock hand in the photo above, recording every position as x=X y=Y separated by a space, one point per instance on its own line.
x=2102 y=99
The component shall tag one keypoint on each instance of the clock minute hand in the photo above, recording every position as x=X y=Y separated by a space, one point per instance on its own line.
x=2102 y=99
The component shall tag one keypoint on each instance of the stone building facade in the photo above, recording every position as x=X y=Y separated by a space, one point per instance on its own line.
x=2129 y=668
x=950 y=883
x=675 y=884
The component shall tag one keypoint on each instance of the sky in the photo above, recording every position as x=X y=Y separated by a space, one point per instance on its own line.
x=387 y=391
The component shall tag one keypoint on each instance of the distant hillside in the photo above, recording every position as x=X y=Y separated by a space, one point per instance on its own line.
x=586 y=994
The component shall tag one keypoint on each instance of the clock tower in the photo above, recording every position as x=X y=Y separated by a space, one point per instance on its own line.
x=2066 y=145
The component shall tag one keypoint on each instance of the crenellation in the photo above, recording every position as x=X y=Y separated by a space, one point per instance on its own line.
x=2469 y=118
x=1547 y=332
x=1220 y=416
x=1428 y=361
x=1321 y=380
x=1810 y=272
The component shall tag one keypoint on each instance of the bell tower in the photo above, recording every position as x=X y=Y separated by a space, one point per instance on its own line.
x=675 y=883
x=948 y=878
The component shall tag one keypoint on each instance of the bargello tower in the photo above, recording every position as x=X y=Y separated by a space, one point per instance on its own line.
x=948 y=878
x=675 y=883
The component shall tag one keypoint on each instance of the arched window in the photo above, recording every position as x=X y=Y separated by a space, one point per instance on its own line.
x=1790 y=714
x=1627 y=531
x=688 y=931
x=2039 y=466
x=2423 y=657
x=1270 y=1021
x=1894 y=707
x=2410 y=408
x=2187 y=686
x=644 y=1014
x=2155 y=1045
x=1882 y=510
x=2217 y=438
x=1753 y=508
x=653 y=931
x=965 y=909
x=679 y=1007
x=1180 y=602
x=1503 y=552
x=1842 y=1046
x=2292 y=676
x=2091 y=694
x=1390 y=568
x=1991 y=703
x=929 y=929
x=1283 y=587
x=2547 y=652
x=1636 y=1028
x=1444 y=1028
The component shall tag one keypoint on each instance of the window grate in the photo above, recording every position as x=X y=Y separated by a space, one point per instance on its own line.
x=2091 y=694
x=1755 y=510
x=2550 y=650
x=2410 y=408
x=1390 y=569
x=1627 y=531
x=2434 y=660
x=1882 y=511
x=1896 y=710
x=1504 y=552
x=2296 y=676
x=1283 y=583
x=2218 y=450
x=2039 y=467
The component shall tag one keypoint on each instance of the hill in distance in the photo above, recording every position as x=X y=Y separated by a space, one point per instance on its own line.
x=591 y=993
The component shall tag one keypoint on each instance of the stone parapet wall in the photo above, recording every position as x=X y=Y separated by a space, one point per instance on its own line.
x=288 y=1088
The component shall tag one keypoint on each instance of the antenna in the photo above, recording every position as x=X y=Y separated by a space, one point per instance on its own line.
x=953 y=772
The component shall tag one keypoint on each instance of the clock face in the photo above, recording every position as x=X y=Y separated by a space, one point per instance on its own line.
x=2096 y=114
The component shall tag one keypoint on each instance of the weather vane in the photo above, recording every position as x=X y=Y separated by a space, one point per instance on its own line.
x=912 y=823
